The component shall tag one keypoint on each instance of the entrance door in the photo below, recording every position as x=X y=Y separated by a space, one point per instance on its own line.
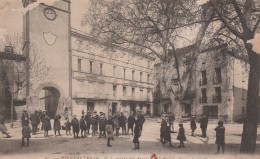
x=90 y=106
x=166 y=108
x=114 y=108
x=188 y=109
x=133 y=108
x=49 y=100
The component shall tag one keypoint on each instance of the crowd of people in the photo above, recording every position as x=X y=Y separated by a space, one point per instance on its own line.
x=167 y=128
x=97 y=124
x=108 y=127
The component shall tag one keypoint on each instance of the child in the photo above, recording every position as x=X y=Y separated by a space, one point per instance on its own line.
x=137 y=133
x=56 y=125
x=181 y=135
x=109 y=129
x=193 y=125
x=26 y=133
x=67 y=126
x=163 y=130
x=75 y=126
x=220 y=136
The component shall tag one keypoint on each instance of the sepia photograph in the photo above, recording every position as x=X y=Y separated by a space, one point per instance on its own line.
x=129 y=79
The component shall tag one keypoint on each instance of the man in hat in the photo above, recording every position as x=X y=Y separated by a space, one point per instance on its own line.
x=102 y=125
x=83 y=126
x=193 y=125
x=130 y=122
x=35 y=120
x=122 y=123
x=204 y=125
x=75 y=127
x=94 y=122
x=25 y=118
x=88 y=121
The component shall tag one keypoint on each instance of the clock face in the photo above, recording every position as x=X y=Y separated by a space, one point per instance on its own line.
x=50 y=13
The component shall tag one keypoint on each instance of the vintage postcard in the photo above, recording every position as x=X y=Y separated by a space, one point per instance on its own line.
x=129 y=79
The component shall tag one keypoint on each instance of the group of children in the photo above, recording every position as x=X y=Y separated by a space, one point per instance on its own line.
x=166 y=131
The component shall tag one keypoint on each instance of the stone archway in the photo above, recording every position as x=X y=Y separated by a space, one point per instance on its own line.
x=49 y=98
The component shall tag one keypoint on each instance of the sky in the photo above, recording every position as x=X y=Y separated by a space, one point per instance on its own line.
x=11 y=14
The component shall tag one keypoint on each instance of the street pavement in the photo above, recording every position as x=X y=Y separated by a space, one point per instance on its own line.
x=65 y=147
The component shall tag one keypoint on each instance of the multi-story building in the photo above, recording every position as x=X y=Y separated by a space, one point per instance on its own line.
x=85 y=73
x=219 y=85
x=109 y=80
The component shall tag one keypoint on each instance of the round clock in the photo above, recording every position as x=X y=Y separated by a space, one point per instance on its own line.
x=50 y=13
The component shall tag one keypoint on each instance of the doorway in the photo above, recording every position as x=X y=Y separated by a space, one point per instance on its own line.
x=49 y=100
x=114 y=108
x=90 y=106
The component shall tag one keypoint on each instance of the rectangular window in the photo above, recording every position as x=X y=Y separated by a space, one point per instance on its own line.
x=124 y=73
x=148 y=93
x=114 y=71
x=133 y=75
x=243 y=94
x=203 y=98
x=217 y=96
x=148 y=64
x=141 y=93
x=133 y=92
x=124 y=91
x=148 y=78
x=218 y=78
x=90 y=66
x=141 y=74
x=79 y=65
x=114 y=91
x=101 y=68
x=203 y=78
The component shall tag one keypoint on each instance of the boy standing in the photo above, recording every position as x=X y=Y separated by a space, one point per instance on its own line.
x=220 y=136
x=26 y=133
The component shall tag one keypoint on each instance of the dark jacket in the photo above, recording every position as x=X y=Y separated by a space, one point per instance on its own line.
x=131 y=121
x=181 y=135
x=220 y=135
x=75 y=124
x=122 y=120
x=56 y=125
x=25 y=118
x=47 y=123
x=35 y=119
x=102 y=123
x=193 y=125
x=82 y=124
x=204 y=122
x=67 y=125
x=26 y=131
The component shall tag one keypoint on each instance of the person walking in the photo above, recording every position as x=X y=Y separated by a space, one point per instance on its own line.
x=88 y=121
x=102 y=125
x=25 y=118
x=35 y=121
x=67 y=126
x=203 y=125
x=193 y=125
x=130 y=122
x=116 y=124
x=181 y=135
x=220 y=136
x=137 y=132
x=109 y=129
x=75 y=127
x=46 y=124
x=3 y=128
x=83 y=126
x=122 y=123
x=26 y=133
x=56 y=125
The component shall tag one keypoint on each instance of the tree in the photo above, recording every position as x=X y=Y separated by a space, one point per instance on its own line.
x=237 y=25
x=152 y=27
x=15 y=73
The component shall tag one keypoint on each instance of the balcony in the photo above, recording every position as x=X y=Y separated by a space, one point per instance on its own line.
x=90 y=95
x=217 y=99
x=217 y=80
x=203 y=82
x=134 y=98
x=203 y=99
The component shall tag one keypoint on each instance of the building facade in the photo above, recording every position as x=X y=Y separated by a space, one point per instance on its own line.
x=84 y=74
x=218 y=88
